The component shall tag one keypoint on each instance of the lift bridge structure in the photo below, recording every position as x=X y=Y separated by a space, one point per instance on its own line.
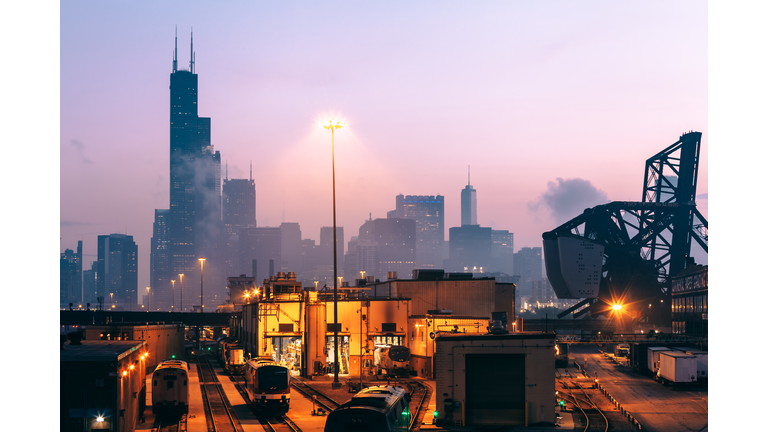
x=624 y=253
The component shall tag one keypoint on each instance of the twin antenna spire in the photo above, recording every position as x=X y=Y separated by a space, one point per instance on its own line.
x=191 y=52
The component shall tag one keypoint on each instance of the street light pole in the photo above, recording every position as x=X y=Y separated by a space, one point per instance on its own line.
x=149 y=302
x=336 y=384
x=202 y=260
x=181 y=291
x=173 y=293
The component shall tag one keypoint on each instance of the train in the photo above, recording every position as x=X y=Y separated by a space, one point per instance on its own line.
x=230 y=355
x=170 y=388
x=394 y=360
x=268 y=385
x=374 y=409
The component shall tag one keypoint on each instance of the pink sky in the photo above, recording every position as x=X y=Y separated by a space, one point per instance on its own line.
x=525 y=92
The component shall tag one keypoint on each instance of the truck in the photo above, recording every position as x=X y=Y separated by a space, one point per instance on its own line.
x=653 y=358
x=677 y=367
x=702 y=363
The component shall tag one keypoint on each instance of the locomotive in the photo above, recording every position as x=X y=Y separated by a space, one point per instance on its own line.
x=394 y=360
x=268 y=385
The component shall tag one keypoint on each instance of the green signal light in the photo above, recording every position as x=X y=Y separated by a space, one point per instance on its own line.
x=435 y=413
x=173 y=356
x=562 y=402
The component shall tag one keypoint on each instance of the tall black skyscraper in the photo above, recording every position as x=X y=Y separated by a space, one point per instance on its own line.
x=239 y=205
x=195 y=208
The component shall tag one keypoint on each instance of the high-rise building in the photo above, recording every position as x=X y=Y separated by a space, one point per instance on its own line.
x=117 y=270
x=89 y=284
x=470 y=249
x=326 y=247
x=262 y=244
x=195 y=195
x=239 y=212
x=160 y=263
x=70 y=279
x=395 y=247
x=428 y=212
x=468 y=205
x=239 y=205
x=291 y=247
x=502 y=251
x=528 y=264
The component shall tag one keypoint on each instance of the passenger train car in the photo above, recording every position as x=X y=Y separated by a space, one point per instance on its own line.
x=268 y=385
x=394 y=360
x=170 y=387
x=375 y=409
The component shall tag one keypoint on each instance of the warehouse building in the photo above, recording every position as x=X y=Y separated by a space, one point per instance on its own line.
x=520 y=366
x=102 y=384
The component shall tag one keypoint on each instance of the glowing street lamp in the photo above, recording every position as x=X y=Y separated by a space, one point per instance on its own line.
x=148 y=300
x=617 y=307
x=181 y=291
x=332 y=126
x=173 y=293
x=202 y=260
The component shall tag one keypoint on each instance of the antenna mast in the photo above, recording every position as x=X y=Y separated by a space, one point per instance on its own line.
x=176 y=50
x=191 y=51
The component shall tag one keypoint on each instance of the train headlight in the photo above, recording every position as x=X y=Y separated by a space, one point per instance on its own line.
x=99 y=419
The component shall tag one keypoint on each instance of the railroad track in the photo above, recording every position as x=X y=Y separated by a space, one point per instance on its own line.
x=321 y=399
x=281 y=424
x=587 y=406
x=167 y=425
x=217 y=408
x=421 y=393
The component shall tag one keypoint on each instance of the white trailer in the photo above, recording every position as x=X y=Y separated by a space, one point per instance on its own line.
x=702 y=363
x=653 y=358
x=677 y=367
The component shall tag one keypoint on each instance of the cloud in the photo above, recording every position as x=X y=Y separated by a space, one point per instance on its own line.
x=703 y=196
x=80 y=147
x=566 y=199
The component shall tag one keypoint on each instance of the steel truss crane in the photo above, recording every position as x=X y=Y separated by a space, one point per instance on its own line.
x=643 y=243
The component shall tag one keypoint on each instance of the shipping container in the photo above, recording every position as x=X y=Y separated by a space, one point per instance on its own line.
x=702 y=363
x=677 y=367
x=653 y=358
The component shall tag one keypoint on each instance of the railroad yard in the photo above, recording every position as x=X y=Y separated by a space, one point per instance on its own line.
x=219 y=402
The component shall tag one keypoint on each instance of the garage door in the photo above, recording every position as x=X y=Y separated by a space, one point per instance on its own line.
x=495 y=389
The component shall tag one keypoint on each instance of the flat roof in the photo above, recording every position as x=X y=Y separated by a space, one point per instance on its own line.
x=100 y=350
x=491 y=336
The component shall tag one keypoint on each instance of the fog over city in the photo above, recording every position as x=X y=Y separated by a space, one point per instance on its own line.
x=554 y=106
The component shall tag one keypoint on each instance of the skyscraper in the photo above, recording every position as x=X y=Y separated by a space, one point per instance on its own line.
x=239 y=202
x=291 y=247
x=392 y=242
x=470 y=249
x=195 y=195
x=69 y=285
x=502 y=251
x=468 y=204
x=117 y=270
x=428 y=212
x=326 y=247
x=528 y=264
x=160 y=263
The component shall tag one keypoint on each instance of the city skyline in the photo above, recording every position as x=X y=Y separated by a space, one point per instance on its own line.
x=527 y=156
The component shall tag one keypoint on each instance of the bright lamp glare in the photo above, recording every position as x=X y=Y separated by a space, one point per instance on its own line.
x=617 y=307
x=99 y=419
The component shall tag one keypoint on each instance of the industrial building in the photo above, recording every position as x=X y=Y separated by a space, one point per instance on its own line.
x=295 y=325
x=102 y=384
x=520 y=367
